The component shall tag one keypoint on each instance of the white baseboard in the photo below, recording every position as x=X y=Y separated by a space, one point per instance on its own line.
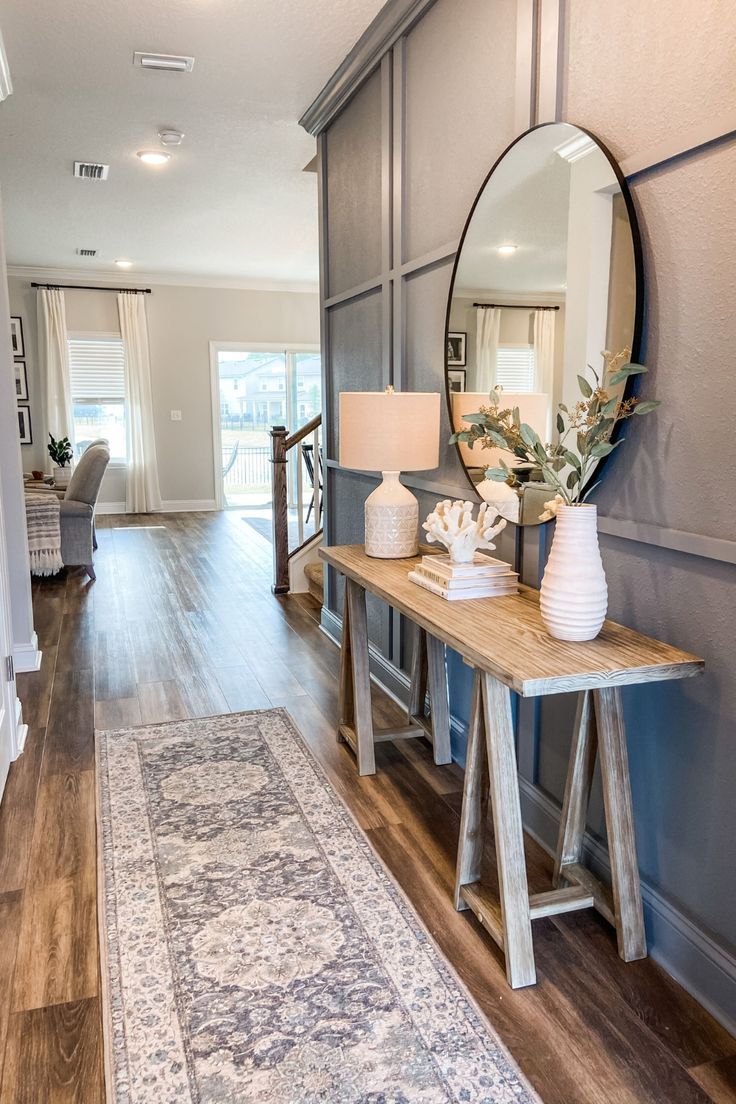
x=21 y=730
x=187 y=505
x=703 y=967
x=690 y=955
x=26 y=657
x=169 y=506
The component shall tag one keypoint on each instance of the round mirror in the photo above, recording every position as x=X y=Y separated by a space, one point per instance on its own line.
x=547 y=277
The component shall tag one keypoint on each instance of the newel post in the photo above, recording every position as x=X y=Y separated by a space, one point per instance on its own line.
x=280 y=511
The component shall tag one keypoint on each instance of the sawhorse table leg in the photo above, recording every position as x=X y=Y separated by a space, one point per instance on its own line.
x=508 y=919
x=599 y=729
x=355 y=722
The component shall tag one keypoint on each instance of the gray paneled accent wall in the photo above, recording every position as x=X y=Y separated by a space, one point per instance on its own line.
x=400 y=164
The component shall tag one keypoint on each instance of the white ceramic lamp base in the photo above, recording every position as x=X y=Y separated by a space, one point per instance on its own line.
x=391 y=520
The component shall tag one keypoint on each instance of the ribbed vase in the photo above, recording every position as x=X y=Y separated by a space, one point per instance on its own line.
x=574 y=596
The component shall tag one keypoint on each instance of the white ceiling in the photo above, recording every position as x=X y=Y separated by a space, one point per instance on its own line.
x=525 y=203
x=233 y=201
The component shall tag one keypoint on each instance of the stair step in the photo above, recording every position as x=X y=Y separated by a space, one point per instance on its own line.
x=315 y=579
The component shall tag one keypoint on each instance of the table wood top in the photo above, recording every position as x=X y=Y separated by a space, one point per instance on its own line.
x=506 y=637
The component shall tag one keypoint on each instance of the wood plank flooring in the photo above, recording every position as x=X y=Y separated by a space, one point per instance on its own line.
x=181 y=623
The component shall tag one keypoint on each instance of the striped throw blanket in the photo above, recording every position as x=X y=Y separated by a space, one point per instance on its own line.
x=44 y=532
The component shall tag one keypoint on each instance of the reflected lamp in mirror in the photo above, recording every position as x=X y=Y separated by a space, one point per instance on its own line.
x=390 y=432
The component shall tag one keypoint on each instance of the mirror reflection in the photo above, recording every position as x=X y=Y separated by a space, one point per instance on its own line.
x=546 y=279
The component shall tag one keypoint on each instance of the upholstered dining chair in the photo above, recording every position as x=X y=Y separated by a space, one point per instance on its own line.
x=77 y=508
x=90 y=444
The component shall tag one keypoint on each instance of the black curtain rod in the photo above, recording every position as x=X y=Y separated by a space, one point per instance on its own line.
x=513 y=306
x=87 y=287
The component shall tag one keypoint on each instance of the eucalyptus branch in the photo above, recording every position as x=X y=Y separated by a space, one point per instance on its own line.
x=593 y=419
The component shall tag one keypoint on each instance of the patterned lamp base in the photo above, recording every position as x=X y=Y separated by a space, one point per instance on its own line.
x=391 y=520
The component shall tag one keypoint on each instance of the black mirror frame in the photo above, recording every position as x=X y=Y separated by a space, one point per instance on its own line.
x=636 y=342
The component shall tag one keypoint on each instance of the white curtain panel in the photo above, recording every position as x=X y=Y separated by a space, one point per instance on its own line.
x=486 y=346
x=53 y=351
x=544 y=357
x=142 y=494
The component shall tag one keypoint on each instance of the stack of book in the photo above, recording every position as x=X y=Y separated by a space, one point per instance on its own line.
x=485 y=577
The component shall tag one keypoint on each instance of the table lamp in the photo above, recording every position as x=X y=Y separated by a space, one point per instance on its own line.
x=390 y=431
x=533 y=409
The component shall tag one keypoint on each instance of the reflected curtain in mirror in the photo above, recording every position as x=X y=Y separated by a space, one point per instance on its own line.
x=544 y=359
x=488 y=321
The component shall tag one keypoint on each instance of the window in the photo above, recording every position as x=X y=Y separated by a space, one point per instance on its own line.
x=515 y=366
x=97 y=374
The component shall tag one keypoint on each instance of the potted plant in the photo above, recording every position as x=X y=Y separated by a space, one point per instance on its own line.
x=573 y=595
x=61 y=453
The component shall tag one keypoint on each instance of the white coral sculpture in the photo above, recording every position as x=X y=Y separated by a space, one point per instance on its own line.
x=453 y=524
x=551 y=508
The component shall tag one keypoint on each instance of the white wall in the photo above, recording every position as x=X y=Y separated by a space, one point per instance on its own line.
x=25 y=654
x=181 y=321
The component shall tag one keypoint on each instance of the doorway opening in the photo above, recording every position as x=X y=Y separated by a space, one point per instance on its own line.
x=255 y=387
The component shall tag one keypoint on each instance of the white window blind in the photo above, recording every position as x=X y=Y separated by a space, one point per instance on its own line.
x=97 y=378
x=515 y=367
x=97 y=370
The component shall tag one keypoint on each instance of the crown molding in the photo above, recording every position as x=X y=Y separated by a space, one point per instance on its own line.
x=515 y=298
x=394 y=20
x=163 y=279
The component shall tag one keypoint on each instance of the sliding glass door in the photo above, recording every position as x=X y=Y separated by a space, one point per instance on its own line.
x=257 y=388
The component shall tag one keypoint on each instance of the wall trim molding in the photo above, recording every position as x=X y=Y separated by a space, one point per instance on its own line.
x=691 y=956
x=395 y=19
x=680 y=144
x=693 y=544
x=26 y=656
x=374 y=284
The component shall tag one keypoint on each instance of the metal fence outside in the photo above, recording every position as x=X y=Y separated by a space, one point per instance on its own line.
x=251 y=467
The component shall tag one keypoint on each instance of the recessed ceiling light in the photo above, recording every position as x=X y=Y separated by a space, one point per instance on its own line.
x=122 y=263
x=507 y=250
x=154 y=157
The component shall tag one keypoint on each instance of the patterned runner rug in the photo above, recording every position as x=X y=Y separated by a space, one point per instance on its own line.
x=254 y=947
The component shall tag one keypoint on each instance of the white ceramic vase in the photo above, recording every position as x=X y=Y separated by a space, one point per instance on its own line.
x=574 y=596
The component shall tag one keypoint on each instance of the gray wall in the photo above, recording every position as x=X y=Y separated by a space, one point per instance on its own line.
x=400 y=166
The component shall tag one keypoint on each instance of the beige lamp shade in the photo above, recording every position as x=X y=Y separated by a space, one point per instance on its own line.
x=533 y=409
x=389 y=430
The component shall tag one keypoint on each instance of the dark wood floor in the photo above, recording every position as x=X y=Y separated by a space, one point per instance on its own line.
x=181 y=623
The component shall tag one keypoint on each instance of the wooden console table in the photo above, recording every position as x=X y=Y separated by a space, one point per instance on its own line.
x=505 y=641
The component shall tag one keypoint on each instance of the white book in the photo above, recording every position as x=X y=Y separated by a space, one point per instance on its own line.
x=491 y=591
x=481 y=566
x=466 y=582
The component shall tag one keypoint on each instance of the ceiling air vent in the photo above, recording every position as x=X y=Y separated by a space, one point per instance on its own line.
x=170 y=63
x=86 y=252
x=90 y=170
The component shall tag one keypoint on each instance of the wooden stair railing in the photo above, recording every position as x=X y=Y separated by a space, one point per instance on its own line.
x=281 y=445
